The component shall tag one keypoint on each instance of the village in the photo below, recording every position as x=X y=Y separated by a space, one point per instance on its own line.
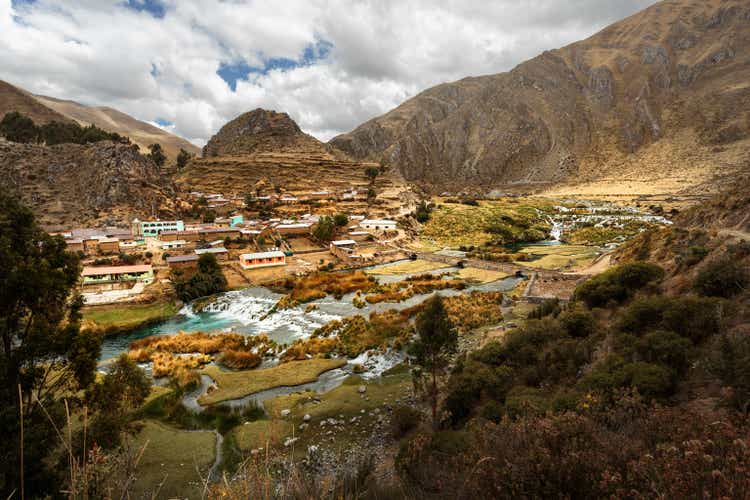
x=130 y=265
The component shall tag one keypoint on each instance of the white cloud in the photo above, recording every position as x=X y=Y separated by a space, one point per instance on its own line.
x=99 y=52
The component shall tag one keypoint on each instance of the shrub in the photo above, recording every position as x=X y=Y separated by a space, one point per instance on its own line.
x=403 y=420
x=651 y=380
x=618 y=284
x=578 y=322
x=550 y=307
x=731 y=363
x=208 y=280
x=522 y=401
x=666 y=348
x=724 y=278
x=690 y=317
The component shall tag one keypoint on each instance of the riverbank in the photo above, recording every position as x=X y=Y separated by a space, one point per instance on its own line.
x=114 y=319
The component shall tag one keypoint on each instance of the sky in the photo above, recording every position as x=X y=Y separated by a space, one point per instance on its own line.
x=190 y=66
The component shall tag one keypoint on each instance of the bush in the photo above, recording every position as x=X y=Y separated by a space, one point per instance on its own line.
x=690 y=317
x=666 y=348
x=578 y=322
x=240 y=360
x=731 y=363
x=208 y=280
x=651 y=380
x=550 y=307
x=724 y=278
x=618 y=284
x=403 y=420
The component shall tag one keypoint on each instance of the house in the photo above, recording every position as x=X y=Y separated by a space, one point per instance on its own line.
x=378 y=224
x=300 y=228
x=108 y=245
x=219 y=252
x=127 y=245
x=262 y=259
x=169 y=245
x=74 y=245
x=344 y=249
x=155 y=228
x=359 y=235
x=113 y=275
x=182 y=261
x=287 y=199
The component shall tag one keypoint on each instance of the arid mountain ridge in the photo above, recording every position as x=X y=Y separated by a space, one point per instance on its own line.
x=669 y=81
x=43 y=109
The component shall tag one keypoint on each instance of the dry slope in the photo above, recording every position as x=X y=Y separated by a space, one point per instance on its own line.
x=648 y=96
x=71 y=184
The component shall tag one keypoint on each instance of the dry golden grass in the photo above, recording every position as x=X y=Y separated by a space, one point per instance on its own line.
x=315 y=346
x=165 y=364
x=204 y=343
x=414 y=285
x=319 y=284
x=407 y=267
x=240 y=360
x=469 y=311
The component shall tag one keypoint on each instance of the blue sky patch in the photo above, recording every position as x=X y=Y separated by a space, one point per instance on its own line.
x=153 y=7
x=163 y=123
x=241 y=70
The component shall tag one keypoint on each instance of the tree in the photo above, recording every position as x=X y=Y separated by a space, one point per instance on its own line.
x=325 y=228
x=207 y=280
x=43 y=351
x=122 y=390
x=250 y=200
x=340 y=220
x=157 y=154
x=372 y=173
x=17 y=127
x=423 y=211
x=182 y=158
x=436 y=341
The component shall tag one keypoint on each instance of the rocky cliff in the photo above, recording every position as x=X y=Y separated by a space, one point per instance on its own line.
x=261 y=131
x=70 y=184
x=675 y=73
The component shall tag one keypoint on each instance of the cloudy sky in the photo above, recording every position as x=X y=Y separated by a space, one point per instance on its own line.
x=192 y=65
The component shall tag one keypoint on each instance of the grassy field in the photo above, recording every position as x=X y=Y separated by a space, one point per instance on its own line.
x=233 y=385
x=559 y=257
x=342 y=403
x=407 y=267
x=262 y=433
x=481 y=275
x=170 y=460
x=117 y=318
x=456 y=225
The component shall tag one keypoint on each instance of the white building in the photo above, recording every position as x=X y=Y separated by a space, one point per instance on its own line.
x=378 y=224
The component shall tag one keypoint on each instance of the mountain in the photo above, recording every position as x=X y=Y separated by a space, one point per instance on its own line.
x=268 y=147
x=70 y=184
x=43 y=109
x=660 y=100
x=141 y=133
x=14 y=99
x=260 y=131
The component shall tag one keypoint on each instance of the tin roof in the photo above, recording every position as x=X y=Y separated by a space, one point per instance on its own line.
x=99 y=271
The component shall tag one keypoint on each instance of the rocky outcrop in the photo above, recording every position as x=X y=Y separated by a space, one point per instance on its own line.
x=71 y=184
x=563 y=115
x=260 y=131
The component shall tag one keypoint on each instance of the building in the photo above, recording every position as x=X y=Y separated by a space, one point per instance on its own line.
x=300 y=228
x=74 y=245
x=262 y=259
x=129 y=245
x=205 y=234
x=116 y=277
x=109 y=245
x=155 y=228
x=220 y=252
x=168 y=245
x=182 y=261
x=359 y=235
x=378 y=224
x=344 y=249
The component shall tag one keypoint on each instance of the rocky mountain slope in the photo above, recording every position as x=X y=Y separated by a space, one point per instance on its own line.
x=661 y=98
x=261 y=131
x=43 y=109
x=268 y=146
x=70 y=184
